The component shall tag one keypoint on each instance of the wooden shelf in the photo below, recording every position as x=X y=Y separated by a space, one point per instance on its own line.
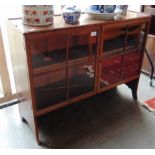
x=57 y=56
x=62 y=65
x=58 y=60
x=120 y=51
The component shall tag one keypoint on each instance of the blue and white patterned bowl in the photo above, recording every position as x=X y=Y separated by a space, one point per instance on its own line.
x=71 y=14
x=102 y=8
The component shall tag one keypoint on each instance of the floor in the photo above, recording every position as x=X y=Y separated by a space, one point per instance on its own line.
x=109 y=120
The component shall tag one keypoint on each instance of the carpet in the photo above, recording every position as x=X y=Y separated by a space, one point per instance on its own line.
x=150 y=104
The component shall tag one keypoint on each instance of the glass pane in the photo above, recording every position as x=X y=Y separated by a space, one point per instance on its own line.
x=131 y=64
x=135 y=36
x=114 y=40
x=49 y=68
x=110 y=70
x=82 y=55
x=134 y=45
x=113 y=47
x=48 y=51
x=50 y=88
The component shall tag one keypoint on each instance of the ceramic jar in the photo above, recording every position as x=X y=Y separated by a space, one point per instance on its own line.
x=71 y=14
x=37 y=15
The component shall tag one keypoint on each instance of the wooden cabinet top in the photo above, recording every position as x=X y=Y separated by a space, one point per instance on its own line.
x=85 y=20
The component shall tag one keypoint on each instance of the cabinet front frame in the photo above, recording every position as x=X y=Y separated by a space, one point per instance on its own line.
x=68 y=33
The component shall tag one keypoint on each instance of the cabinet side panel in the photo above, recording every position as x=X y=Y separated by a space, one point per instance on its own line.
x=20 y=69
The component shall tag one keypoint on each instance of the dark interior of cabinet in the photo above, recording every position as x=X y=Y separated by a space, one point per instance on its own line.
x=57 y=92
x=118 y=43
x=114 y=43
x=134 y=42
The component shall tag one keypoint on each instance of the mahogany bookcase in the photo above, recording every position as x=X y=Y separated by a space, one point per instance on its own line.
x=60 y=64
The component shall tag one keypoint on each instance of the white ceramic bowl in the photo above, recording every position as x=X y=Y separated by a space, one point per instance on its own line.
x=37 y=15
x=97 y=15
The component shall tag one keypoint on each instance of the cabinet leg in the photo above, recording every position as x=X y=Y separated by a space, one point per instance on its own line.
x=152 y=67
x=151 y=82
x=24 y=120
x=43 y=144
x=133 y=85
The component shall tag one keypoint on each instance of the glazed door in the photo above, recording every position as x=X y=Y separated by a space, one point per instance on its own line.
x=63 y=66
x=82 y=63
x=121 y=54
x=113 y=46
x=133 y=54
x=49 y=67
